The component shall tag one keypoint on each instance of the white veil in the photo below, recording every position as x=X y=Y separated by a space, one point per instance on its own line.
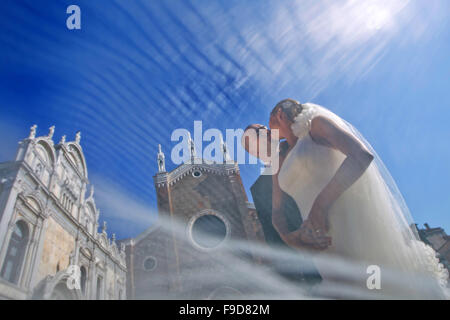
x=416 y=261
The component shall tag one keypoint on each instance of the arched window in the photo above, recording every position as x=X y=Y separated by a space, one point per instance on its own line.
x=12 y=264
x=83 y=277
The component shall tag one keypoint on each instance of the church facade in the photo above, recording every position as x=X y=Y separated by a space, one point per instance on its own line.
x=48 y=227
x=202 y=209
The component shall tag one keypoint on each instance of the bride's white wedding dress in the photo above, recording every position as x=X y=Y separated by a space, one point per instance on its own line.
x=368 y=222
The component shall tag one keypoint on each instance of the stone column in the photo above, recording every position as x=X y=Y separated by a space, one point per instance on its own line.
x=76 y=254
x=38 y=253
x=27 y=261
x=90 y=280
x=30 y=256
x=93 y=276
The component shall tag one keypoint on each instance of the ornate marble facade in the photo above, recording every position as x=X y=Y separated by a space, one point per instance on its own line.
x=49 y=221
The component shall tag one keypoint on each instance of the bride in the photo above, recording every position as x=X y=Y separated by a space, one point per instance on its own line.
x=351 y=208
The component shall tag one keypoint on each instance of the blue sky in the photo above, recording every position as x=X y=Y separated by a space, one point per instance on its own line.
x=137 y=70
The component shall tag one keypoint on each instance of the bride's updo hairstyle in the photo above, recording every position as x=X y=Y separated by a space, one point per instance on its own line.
x=290 y=107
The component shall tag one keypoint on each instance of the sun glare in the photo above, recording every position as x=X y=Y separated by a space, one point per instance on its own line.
x=377 y=17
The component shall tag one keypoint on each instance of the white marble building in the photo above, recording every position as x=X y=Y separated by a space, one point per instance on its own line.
x=48 y=222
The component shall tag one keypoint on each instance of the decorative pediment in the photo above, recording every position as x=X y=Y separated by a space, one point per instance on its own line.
x=32 y=201
x=42 y=153
x=75 y=154
x=44 y=149
x=189 y=168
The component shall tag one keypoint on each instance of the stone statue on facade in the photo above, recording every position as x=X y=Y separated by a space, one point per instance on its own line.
x=78 y=137
x=32 y=132
x=51 y=131
x=191 y=147
x=161 y=160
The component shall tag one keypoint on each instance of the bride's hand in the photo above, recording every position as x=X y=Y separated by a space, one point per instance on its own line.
x=318 y=218
x=318 y=239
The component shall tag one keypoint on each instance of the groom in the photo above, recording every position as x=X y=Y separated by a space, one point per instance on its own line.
x=302 y=271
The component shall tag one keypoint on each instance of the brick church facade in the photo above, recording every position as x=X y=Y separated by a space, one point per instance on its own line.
x=194 y=198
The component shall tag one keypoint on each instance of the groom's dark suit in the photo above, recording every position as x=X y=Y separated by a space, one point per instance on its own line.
x=261 y=190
